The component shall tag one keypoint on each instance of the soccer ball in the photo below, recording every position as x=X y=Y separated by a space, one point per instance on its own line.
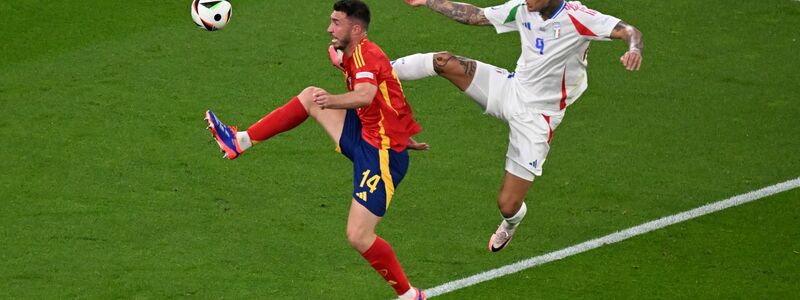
x=210 y=14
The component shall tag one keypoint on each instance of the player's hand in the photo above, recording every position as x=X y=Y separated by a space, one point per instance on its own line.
x=321 y=97
x=416 y=2
x=632 y=60
x=336 y=57
x=414 y=145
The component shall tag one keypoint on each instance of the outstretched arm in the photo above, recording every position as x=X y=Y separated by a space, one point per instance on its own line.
x=461 y=12
x=632 y=59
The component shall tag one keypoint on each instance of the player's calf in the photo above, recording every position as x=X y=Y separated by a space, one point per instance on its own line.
x=282 y=119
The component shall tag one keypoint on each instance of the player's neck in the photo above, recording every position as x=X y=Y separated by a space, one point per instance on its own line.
x=352 y=47
x=550 y=9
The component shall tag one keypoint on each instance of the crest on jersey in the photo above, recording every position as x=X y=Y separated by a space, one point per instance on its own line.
x=556 y=30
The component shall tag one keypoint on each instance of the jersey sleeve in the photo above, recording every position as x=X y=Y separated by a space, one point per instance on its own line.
x=366 y=67
x=504 y=16
x=592 y=24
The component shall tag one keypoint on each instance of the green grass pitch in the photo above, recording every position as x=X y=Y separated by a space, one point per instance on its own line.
x=110 y=187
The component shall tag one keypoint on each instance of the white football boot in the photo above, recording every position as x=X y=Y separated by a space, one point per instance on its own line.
x=501 y=237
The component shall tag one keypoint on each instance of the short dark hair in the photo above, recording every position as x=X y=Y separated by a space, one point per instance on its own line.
x=355 y=9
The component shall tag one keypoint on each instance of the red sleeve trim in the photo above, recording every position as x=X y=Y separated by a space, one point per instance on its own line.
x=582 y=29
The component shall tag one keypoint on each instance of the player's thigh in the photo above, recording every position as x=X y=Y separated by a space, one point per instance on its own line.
x=331 y=120
x=376 y=175
x=485 y=84
x=528 y=144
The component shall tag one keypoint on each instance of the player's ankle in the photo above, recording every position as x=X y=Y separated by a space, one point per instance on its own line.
x=513 y=221
x=244 y=140
x=408 y=294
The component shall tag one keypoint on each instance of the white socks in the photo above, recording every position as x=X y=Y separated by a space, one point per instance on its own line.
x=413 y=67
x=409 y=294
x=512 y=222
x=244 y=140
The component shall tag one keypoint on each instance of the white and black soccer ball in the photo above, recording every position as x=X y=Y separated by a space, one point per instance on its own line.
x=211 y=14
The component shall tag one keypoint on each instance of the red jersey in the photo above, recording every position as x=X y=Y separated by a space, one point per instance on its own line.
x=387 y=122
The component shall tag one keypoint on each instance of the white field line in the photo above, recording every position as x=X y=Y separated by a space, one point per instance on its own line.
x=612 y=238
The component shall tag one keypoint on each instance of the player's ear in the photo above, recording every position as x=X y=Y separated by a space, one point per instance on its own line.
x=358 y=28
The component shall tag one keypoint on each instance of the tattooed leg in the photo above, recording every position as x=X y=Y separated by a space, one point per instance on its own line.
x=459 y=70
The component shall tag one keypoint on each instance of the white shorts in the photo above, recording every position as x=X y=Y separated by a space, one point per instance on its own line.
x=530 y=129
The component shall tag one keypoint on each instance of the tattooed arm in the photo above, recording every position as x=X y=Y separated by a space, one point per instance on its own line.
x=461 y=12
x=633 y=37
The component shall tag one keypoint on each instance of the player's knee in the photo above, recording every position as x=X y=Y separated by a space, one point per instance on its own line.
x=306 y=97
x=442 y=61
x=442 y=56
x=357 y=238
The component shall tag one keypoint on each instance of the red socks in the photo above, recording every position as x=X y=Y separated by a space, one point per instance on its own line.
x=381 y=256
x=279 y=120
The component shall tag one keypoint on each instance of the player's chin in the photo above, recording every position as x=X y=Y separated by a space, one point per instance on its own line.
x=336 y=44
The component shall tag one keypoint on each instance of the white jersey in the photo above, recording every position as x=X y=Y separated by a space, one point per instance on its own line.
x=551 y=70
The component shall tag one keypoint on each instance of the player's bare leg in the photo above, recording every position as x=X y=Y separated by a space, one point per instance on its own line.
x=512 y=194
x=361 y=225
x=511 y=202
x=331 y=120
x=459 y=70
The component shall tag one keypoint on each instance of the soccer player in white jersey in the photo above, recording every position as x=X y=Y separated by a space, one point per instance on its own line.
x=550 y=75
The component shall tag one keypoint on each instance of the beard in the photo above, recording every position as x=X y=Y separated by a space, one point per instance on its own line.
x=341 y=43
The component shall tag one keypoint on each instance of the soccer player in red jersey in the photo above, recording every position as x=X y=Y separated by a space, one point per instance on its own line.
x=372 y=125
